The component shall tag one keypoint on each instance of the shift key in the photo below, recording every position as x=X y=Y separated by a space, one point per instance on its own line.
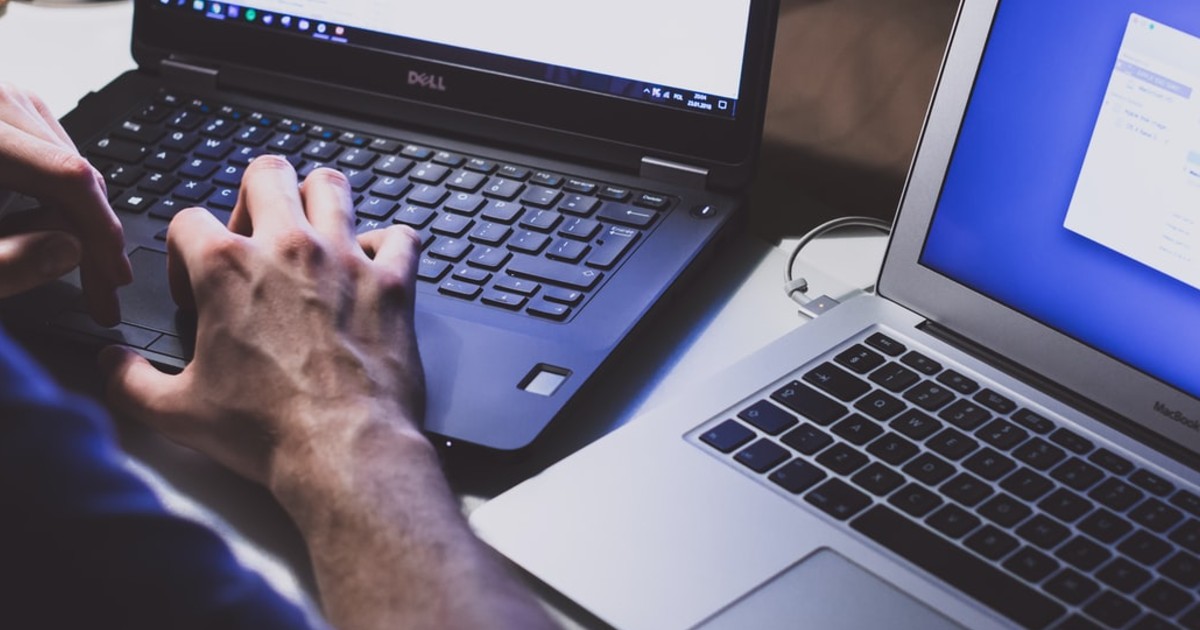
x=611 y=246
x=552 y=272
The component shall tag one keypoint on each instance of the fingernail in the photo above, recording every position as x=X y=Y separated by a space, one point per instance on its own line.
x=57 y=255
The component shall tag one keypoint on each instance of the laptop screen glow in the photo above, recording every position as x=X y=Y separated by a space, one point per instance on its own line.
x=674 y=53
x=1074 y=192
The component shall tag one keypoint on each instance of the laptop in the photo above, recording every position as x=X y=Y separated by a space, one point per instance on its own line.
x=1007 y=435
x=565 y=167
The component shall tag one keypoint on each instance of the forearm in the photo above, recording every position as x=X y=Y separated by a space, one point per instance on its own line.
x=389 y=546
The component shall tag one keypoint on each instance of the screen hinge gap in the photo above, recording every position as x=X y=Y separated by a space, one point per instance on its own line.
x=194 y=75
x=674 y=173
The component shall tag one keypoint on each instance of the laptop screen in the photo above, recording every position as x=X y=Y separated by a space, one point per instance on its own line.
x=1073 y=195
x=667 y=53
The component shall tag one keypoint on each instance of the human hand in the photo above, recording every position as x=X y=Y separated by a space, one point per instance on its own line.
x=77 y=228
x=304 y=340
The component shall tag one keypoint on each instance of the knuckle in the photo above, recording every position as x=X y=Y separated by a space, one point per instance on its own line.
x=300 y=245
x=72 y=168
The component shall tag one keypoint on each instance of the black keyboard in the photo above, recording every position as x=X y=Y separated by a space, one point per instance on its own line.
x=504 y=235
x=995 y=498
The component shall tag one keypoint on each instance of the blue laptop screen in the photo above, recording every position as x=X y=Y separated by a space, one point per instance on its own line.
x=1073 y=195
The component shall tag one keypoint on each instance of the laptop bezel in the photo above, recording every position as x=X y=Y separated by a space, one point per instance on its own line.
x=1067 y=363
x=727 y=147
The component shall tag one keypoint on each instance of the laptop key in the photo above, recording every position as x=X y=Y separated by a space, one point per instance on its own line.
x=797 y=476
x=768 y=418
x=1184 y=568
x=505 y=189
x=1116 y=494
x=1112 y=609
x=414 y=216
x=1188 y=501
x=1077 y=474
x=1031 y=564
x=1032 y=421
x=1104 y=526
x=1002 y=434
x=857 y=430
x=915 y=425
x=860 y=359
x=527 y=242
x=836 y=381
x=1151 y=482
x=929 y=469
x=958 y=382
x=995 y=401
x=464 y=290
x=878 y=479
x=503 y=299
x=1165 y=598
x=1065 y=505
x=879 y=405
x=952 y=444
x=915 y=500
x=929 y=396
x=134 y=202
x=953 y=521
x=626 y=215
x=549 y=310
x=838 y=499
x=807 y=439
x=1156 y=515
x=762 y=456
x=1043 y=532
x=1004 y=510
x=1072 y=442
x=965 y=415
x=118 y=150
x=1039 y=454
x=612 y=246
x=948 y=562
x=432 y=269
x=1145 y=548
x=921 y=363
x=842 y=459
x=893 y=449
x=966 y=489
x=894 y=377
x=989 y=464
x=553 y=272
x=1027 y=485
x=1083 y=554
x=393 y=165
x=886 y=345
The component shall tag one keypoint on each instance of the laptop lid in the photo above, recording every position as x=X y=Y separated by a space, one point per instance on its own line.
x=1051 y=214
x=619 y=81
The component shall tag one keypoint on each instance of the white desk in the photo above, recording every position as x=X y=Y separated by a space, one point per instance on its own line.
x=739 y=306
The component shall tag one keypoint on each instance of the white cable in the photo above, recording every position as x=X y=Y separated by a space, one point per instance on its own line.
x=797 y=288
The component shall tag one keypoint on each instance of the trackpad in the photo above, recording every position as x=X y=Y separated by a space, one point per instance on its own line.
x=147 y=302
x=827 y=591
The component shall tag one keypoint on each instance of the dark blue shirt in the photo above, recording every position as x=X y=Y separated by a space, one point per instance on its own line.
x=85 y=543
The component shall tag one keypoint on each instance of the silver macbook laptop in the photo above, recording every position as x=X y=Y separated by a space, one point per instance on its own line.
x=1008 y=435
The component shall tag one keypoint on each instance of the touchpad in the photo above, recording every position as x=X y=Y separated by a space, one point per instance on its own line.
x=829 y=592
x=147 y=302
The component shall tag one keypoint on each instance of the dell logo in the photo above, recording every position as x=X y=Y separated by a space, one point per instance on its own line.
x=1177 y=416
x=427 y=81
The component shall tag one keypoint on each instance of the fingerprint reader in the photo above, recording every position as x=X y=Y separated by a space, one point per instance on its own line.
x=544 y=380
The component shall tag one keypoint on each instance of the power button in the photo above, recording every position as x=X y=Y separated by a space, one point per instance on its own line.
x=704 y=212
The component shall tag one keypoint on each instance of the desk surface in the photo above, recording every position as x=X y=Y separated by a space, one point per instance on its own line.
x=736 y=308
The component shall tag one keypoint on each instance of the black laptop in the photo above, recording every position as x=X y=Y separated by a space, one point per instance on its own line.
x=565 y=165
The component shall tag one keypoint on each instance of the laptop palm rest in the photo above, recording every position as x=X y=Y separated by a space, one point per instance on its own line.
x=827 y=591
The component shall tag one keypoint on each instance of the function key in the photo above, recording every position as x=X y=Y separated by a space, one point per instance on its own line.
x=417 y=153
x=447 y=158
x=543 y=178
x=921 y=363
x=1111 y=462
x=288 y=125
x=480 y=166
x=1072 y=441
x=170 y=100
x=651 y=200
x=1033 y=421
x=152 y=114
x=199 y=105
x=886 y=345
x=580 y=186
x=517 y=173
x=383 y=145
x=354 y=140
x=995 y=401
x=958 y=382
x=263 y=120
x=860 y=359
x=1151 y=482
x=614 y=193
x=226 y=111
x=727 y=436
x=321 y=132
x=1187 y=501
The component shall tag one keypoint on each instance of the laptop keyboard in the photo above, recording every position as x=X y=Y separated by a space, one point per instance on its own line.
x=499 y=234
x=1003 y=502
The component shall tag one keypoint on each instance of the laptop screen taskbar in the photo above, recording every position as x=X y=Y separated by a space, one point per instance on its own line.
x=338 y=34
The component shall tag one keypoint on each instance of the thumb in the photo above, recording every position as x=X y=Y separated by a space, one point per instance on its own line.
x=139 y=390
x=32 y=259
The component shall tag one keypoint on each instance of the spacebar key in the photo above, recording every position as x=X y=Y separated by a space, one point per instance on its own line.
x=958 y=568
x=554 y=272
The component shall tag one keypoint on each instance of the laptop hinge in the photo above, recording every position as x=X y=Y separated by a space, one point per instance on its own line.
x=195 y=76
x=674 y=173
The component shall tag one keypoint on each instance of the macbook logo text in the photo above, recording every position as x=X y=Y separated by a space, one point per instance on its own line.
x=433 y=82
x=1177 y=416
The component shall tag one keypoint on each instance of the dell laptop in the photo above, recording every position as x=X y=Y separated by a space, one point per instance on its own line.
x=565 y=165
x=1007 y=435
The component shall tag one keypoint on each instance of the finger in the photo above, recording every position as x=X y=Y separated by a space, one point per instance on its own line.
x=25 y=111
x=137 y=389
x=396 y=249
x=33 y=259
x=269 y=200
x=192 y=232
x=44 y=111
x=328 y=205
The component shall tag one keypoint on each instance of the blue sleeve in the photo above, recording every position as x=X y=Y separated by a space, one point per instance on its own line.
x=85 y=543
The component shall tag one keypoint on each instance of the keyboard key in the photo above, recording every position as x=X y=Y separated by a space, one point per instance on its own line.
x=466 y=181
x=807 y=439
x=1083 y=553
x=768 y=418
x=929 y=396
x=859 y=359
x=431 y=174
x=451 y=249
x=452 y=225
x=893 y=449
x=1065 y=505
x=526 y=242
x=1027 y=485
x=1077 y=474
x=134 y=202
x=611 y=246
x=614 y=193
x=580 y=186
x=989 y=464
x=1043 y=532
x=1032 y=421
x=567 y=250
x=651 y=200
x=579 y=205
x=995 y=401
x=966 y=489
x=842 y=459
x=1188 y=501
x=915 y=425
x=393 y=165
x=1145 y=548
x=1072 y=441
x=472 y=275
x=921 y=363
x=1156 y=515
x=958 y=382
x=416 y=152
x=376 y=208
x=857 y=430
x=1112 y=609
x=431 y=269
x=976 y=578
x=929 y=469
x=797 y=476
x=1116 y=495
x=894 y=377
x=992 y=543
x=1071 y=587
x=426 y=195
x=727 y=436
x=953 y=521
x=1031 y=564
x=915 y=500
x=541 y=220
x=563 y=296
x=1039 y=454
x=1104 y=526
x=1002 y=434
x=554 y=272
x=809 y=403
x=118 y=150
x=886 y=345
x=490 y=258
x=626 y=215
x=1165 y=598
x=192 y=191
x=1004 y=510
x=965 y=415
x=504 y=189
x=952 y=444
x=878 y=479
x=838 y=499
x=503 y=299
x=762 y=455
x=541 y=197
x=580 y=228
x=414 y=216
x=1184 y=568
x=517 y=285
x=166 y=209
x=549 y=310
x=1188 y=535
x=492 y=234
x=464 y=290
x=1152 y=483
